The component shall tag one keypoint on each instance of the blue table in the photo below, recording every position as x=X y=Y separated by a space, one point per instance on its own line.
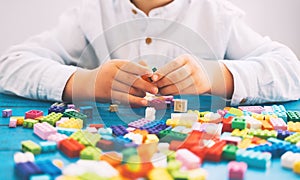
x=10 y=139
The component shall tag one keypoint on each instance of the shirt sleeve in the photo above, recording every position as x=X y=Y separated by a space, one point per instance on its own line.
x=263 y=70
x=40 y=67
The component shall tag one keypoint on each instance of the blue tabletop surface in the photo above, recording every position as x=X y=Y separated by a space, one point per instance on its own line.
x=10 y=139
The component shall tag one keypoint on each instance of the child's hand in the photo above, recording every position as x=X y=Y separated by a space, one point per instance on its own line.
x=115 y=80
x=183 y=75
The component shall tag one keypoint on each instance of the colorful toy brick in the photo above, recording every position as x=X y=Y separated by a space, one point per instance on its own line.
x=90 y=153
x=32 y=114
x=278 y=124
x=29 y=123
x=43 y=130
x=76 y=115
x=12 y=123
x=27 y=169
x=6 y=113
x=254 y=109
x=20 y=157
x=238 y=123
x=52 y=118
x=295 y=138
x=158 y=173
x=139 y=123
x=185 y=118
x=71 y=106
x=293 y=126
x=168 y=136
x=288 y=159
x=253 y=123
x=97 y=126
x=236 y=170
x=86 y=138
x=66 y=131
x=254 y=159
x=73 y=123
x=188 y=159
x=70 y=147
x=211 y=118
x=57 y=137
x=293 y=116
x=48 y=168
x=266 y=125
x=31 y=147
x=119 y=130
x=236 y=112
x=229 y=152
x=296 y=167
x=283 y=134
x=48 y=146
x=87 y=110
x=113 y=108
x=180 y=105
x=150 y=113
x=227 y=123
x=105 y=145
x=57 y=108
x=214 y=153
x=20 y=120
x=240 y=133
x=264 y=134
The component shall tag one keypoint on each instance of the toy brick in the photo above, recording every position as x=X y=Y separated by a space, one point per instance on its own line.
x=275 y=149
x=293 y=116
x=105 y=145
x=57 y=108
x=180 y=105
x=87 y=110
x=48 y=146
x=66 y=131
x=19 y=119
x=57 y=137
x=168 y=136
x=119 y=130
x=48 y=167
x=214 y=153
x=254 y=159
x=253 y=123
x=52 y=118
x=264 y=134
x=278 y=124
x=254 y=109
x=32 y=114
x=240 y=133
x=139 y=123
x=211 y=118
x=150 y=113
x=73 y=123
x=76 y=115
x=283 y=134
x=159 y=173
x=71 y=106
x=97 y=126
x=113 y=158
x=296 y=167
x=43 y=130
x=227 y=123
x=278 y=108
x=31 y=147
x=235 y=111
x=6 y=113
x=266 y=125
x=29 y=123
x=245 y=143
x=113 y=108
x=288 y=159
x=238 y=123
x=295 y=138
x=86 y=138
x=293 y=126
x=40 y=176
x=27 y=169
x=70 y=147
x=229 y=152
x=90 y=153
x=188 y=159
x=20 y=157
x=236 y=170
x=174 y=165
x=12 y=123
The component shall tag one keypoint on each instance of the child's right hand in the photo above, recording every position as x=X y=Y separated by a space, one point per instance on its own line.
x=115 y=80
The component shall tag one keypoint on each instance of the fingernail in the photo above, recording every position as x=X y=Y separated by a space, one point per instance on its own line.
x=144 y=102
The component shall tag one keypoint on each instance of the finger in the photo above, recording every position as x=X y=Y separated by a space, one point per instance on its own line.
x=126 y=98
x=169 y=67
x=119 y=86
x=133 y=68
x=178 y=87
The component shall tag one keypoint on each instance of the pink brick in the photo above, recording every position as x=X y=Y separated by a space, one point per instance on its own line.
x=32 y=114
x=255 y=109
x=236 y=170
x=188 y=159
x=57 y=137
x=12 y=123
x=43 y=130
x=278 y=124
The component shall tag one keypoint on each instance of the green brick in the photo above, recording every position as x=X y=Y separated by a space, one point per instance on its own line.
x=293 y=138
x=168 y=136
x=171 y=155
x=89 y=176
x=31 y=147
x=91 y=153
x=238 y=123
x=229 y=152
x=174 y=165
x=293 y=116
x=86 y=138
x=76 y=115
x=180 y=175
x=29 y=123
x=264 y=134
x=127 y=153
x=52 y=118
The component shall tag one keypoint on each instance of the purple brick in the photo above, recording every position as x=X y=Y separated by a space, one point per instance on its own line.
x=27 y=169
x=6 y=113
x=71 y=106
x=139 y=123
x=283 y=134
x=119 y=130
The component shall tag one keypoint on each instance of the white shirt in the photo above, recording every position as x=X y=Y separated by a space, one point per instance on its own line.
x=100 y=30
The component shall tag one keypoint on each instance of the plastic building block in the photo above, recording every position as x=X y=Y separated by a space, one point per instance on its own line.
x=150 y=113
x=159 y=173
x=70 y=147
x=240 y=133
x=139 y=123
x=254 y=158
x=105 y=145
x=97 y=126
x=119 y=130
x=62 y=120
x=31 y=147
x=57 y=137
x=168 y=136
x=6 y=113
x=180 y=105
x=264 y=134
x=245 y=143
x=48 y=146
x=87 y=110
x=158 y=104
x=86 y=138
x=76 y=115
x=293 y=126
x=288 y=159
x=52 y=118
x=12 y=123
x=266 y=125
x=293 y=116
x=27 y=169
x=227 y=122
x=71 y=106
x=48 y=168
x=197 y=174
x=185 y=118
x=236 y=170
x=238 y=123
x=235 y=111
x=254 y=109
x=105 y=131
x=66 y=131
x=229 y=152
x=283 y=134
x=20 y=119
x=295 y=138
x=43 y=130
x=32 y=114
x=211 y=118
x=214 y=153
x=91 y=129
x=253 y=123
x=90 y=153
x=275 y=149
x=296 y=167
x=188 y=159
x=278 y=124
x=57 y=108
x=113 y=108
x=29 y=123
x=113 y=158
x=72 y=123
x=20 y=157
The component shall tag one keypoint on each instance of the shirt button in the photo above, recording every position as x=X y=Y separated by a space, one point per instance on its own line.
x=134 y=11
x=244 y=100
x=148 y=40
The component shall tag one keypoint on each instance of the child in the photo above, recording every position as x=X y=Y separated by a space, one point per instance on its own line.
x=198 y=46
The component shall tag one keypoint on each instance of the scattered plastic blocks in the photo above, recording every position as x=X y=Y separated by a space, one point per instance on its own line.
x=57 y=137
x=76 y=115
x=90 y=153
x=52 y=118
x=97 y=126
x=240 y=133
x=105 y=145
x=113 y=108
x=70 y=147
x=19 y=119
x=227 y=123
x=29 y=123
x=293 y=126
x=48 y=168
x=180 y=105
x=12 y=123
x=159 y=173
x=236 y=170
x=150 y=113
x=235 y=112
x=48 y=146
x=253 y=123
x=288 y=159
x=238 y=123
x=254 y=159
x=278 y=124
x=283 y=134
x=214 y=153
x=229 y=152
x=254 y=109
x=20 y=157
x=27 y=169
x=293 y=116
x=184 y=119
x=119 y=130
x=87 y=110
x=31 y=147
x=73 y=123
x=86 y=138
x=6 y=113
x=295 y=138
x=188 y=159
x=139 y=123
x=43 y=130
x=66 y=131
x=211 y=118
x=264 y=134
x=57 y=108
x=296 y=167
x=32 y=114
x=168 y=136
